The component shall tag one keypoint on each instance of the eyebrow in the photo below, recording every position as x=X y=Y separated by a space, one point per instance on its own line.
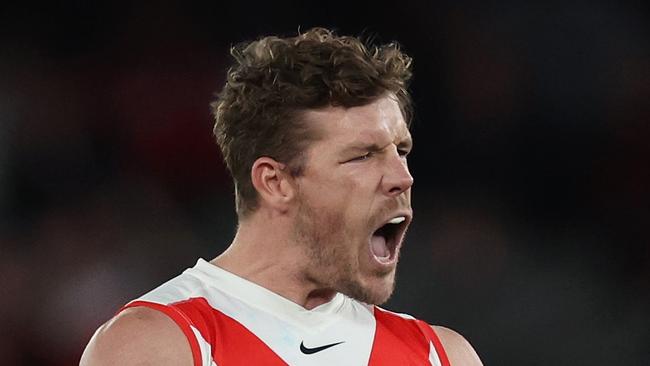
x=406 y=143
x=361 y=147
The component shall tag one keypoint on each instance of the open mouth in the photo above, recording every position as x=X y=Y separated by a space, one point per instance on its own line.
x=384 y=241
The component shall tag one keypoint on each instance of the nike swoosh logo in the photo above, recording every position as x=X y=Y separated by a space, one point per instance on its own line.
x=309 y=351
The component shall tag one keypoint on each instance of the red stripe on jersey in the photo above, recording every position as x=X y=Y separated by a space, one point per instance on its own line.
x=231 y=342
x=431 y=334
x=180 y=319
x=401 y=341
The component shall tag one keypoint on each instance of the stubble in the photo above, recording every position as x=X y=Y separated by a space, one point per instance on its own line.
x=333 y=256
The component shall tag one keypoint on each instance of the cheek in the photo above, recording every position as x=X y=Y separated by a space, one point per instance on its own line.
x=335 y=189
x=346 y=194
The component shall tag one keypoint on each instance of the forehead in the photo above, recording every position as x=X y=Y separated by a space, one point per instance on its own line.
x=378 y=122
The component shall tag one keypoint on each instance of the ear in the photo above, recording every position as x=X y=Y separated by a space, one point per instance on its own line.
x=273 y=183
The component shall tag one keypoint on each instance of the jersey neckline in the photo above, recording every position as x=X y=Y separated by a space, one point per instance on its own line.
x=261 y=297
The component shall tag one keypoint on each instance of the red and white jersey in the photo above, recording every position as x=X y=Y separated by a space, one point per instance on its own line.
x=231 y=321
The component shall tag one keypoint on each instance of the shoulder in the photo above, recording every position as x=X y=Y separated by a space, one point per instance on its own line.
x=458 y=349
x=138 y=336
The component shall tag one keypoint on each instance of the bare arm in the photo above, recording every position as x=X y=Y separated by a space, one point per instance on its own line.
x=458 y=349
x=138 y=336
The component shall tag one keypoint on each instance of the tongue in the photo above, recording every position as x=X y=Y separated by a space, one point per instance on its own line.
x=378 y=247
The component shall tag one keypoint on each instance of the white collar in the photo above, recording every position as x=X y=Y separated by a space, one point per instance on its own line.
x=257 y=296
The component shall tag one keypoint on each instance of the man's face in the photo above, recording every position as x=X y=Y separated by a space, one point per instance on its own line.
x=355 y=199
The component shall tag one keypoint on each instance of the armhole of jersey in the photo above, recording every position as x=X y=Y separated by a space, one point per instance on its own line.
x=431 y=334
x=180 y=319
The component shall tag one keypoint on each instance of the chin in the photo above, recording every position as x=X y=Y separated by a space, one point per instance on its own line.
x=382 y=295
x=380 y=298
x=375 y=291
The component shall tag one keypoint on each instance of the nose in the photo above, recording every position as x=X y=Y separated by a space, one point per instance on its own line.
x=397 y=178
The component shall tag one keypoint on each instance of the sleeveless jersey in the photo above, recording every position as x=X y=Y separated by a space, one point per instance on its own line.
x=231 y=321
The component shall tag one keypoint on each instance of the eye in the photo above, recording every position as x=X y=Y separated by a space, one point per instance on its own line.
x=363 y=157
x=403 y=152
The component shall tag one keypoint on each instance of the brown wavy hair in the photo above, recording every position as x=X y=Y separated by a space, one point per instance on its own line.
x=273 y=80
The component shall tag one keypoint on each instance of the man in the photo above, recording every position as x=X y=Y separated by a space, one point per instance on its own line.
x=314 y=130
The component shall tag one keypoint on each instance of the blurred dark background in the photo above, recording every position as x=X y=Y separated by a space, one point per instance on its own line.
x=531 y=163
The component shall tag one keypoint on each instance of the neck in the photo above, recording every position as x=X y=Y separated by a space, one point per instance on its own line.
x=264 y=254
